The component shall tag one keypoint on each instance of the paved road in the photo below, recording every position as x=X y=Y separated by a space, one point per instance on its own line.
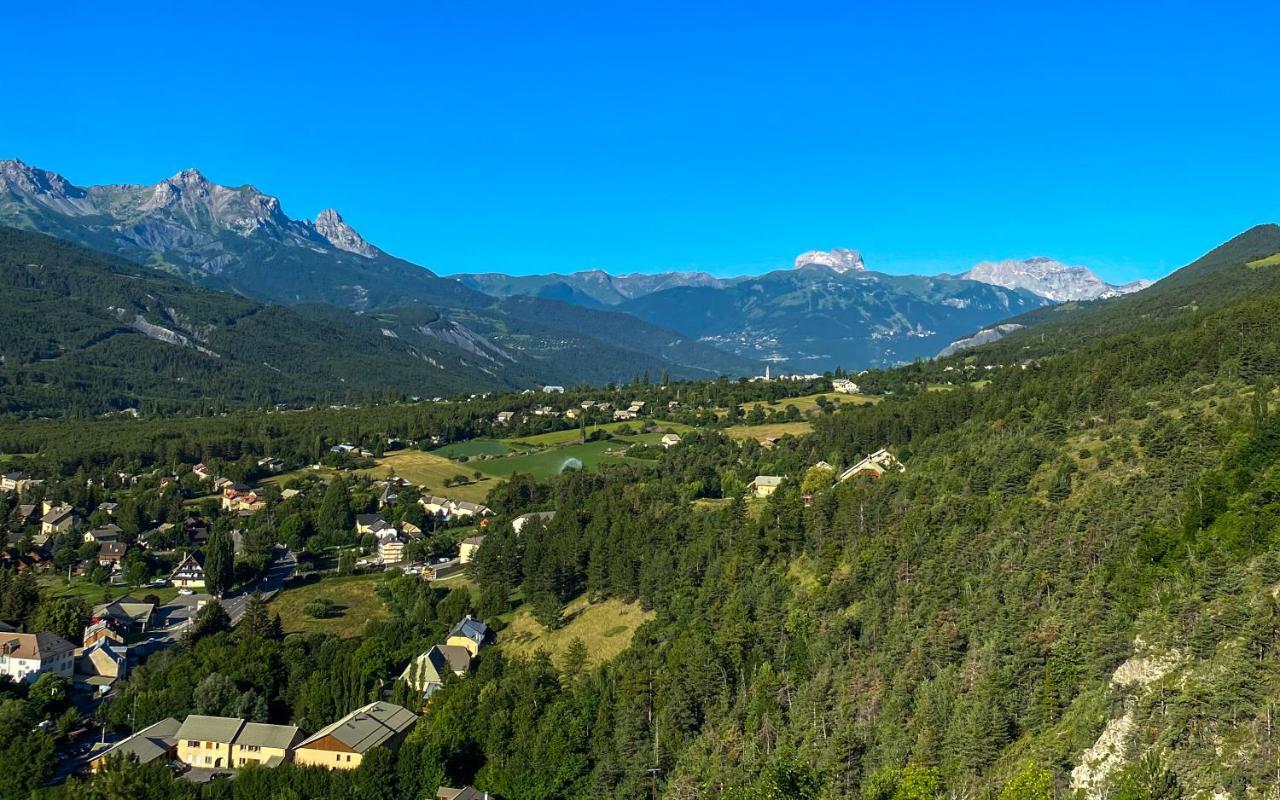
x=280 y=571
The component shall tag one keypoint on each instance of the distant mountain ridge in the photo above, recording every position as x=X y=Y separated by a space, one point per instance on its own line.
x=239 y=240
x=1050 y=279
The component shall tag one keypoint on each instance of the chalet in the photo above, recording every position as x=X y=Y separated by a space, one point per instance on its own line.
x=504 y=417
x=764 y=485
x=553 y=389
x=271 y=464
x=670 y=440
x=572 y=413
x=623 y=414
x=109 y=509
x=267 y=745
x=103 y=534
x=344 y=449
x=58 y=519
x=536 y=517
x=844 y=386
x=111 y=554
x=202 y=472
x=469 y=633
x=468 y=548
x=221 y=484
x=371 y=523
x=874 y=465
x=450 y=509
x=343 y=744
x=155 y=742
x=544 y=411
x=27 y=656
x=388 y=496
x=15 y=482
x=189 y=574
x=427 y=672
x=636 y=407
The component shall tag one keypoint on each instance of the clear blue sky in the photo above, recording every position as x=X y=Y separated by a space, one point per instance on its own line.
x=531 y=137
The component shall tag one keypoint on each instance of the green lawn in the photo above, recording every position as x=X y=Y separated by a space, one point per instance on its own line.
x=1269 y=261
x=473 y=447
x=93 y=593
x=570 y=436
x=551 y=462
x=355 y=595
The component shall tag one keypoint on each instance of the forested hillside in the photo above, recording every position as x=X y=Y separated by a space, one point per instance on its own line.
x=1071 y=588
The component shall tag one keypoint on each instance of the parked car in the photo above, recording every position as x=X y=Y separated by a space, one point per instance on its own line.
x=184 y=591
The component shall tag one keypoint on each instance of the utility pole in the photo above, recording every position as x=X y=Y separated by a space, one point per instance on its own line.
x=655 y=769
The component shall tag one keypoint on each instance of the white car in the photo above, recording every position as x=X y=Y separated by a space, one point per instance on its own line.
x=184 y=590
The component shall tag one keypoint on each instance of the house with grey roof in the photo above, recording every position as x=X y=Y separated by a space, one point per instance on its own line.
x=427 y=672
x=156 y=742
x=343 y=744
x=471 y=634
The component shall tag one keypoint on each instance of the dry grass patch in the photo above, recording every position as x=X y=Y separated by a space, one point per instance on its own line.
x=605 y=628
x=429 y=470
x=762 y=433
x=355 y=596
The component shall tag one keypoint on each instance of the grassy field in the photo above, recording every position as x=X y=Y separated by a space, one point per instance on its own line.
x=1269 y=261
x=570 y=436
x=473 y=447
x=285 y=477
x=809 y=402
x=551 y=462
x=763 y=432
x=430 y=470
x=605 y=628
x=355 y=595
x=93 y=593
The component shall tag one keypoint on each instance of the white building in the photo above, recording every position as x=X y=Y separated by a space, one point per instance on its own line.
x=27 y=656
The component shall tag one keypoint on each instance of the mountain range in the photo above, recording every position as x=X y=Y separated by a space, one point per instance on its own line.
x=490 y=329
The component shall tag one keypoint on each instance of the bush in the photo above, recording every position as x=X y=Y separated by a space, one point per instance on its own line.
x=321 y=608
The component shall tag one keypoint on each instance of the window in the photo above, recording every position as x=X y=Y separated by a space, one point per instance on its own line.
x=192 y=744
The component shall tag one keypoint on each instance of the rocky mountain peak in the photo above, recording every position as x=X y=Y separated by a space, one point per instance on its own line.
x=1048 y=278
x=330 y=225
x=839 y=260
x=42 y=187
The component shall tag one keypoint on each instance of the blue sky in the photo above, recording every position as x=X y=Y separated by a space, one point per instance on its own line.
x=529 y=137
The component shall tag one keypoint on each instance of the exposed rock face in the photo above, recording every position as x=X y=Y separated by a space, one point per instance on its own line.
x=338 y=233
x=43 y=188
x=1050 y=279
x=993 y=334
x=840 y=260
x=1110 y=752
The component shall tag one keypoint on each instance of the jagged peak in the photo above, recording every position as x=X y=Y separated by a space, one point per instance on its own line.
x=337 y=232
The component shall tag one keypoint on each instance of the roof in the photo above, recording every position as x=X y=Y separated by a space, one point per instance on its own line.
x=367 y=727
x=40 y=645
x=767 y=480
x=112 y=550
x=150 y=743
x=369 y=519
x=467 y=793
x=210 y=729
x=58 y=515
x=459 y=658
x=264 y=735
x=471 y=628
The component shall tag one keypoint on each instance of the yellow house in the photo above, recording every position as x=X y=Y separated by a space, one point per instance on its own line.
x=226 y=742
x=206 y=741
x=259 y=743
x=343 y=744
x=470 y=634
x=764 y=485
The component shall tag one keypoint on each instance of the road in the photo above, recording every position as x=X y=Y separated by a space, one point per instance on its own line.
x=280 y=571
